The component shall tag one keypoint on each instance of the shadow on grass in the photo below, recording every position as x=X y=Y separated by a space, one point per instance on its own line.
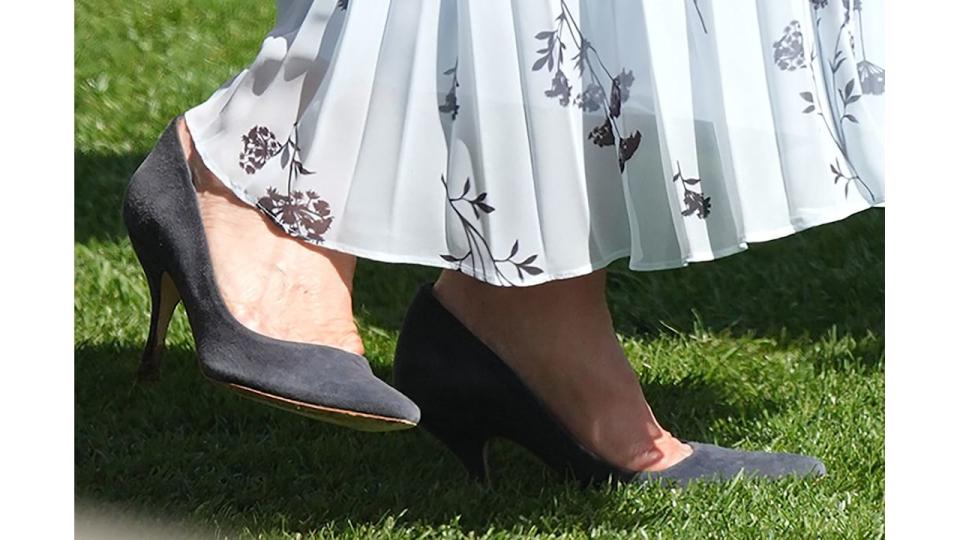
x=185 y=447
x=99 y=183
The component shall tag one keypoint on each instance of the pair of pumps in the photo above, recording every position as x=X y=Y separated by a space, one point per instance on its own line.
x=451 y=383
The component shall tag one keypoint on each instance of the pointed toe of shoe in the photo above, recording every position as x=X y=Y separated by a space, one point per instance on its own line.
x=381 y=399
x=811 y=466
x=317 y=381
x=350 y=386
x=780 y=465
x=716 y=463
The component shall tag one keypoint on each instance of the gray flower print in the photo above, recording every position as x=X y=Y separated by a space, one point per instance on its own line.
x=695 y=202
x=788 y=52
x=561 y=88
x=841 y=96
x=594 y=75
x=450 y=105
x=873 y=78
x=591 y=99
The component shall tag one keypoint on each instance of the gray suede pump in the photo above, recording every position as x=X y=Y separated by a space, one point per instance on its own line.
x=163 y=220
x=467 y=396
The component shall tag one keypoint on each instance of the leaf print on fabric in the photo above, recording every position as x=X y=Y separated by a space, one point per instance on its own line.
x=304 y=215
x=847 y=97
x=833 y=109
x=695 y=201
x=838 y=175
x=620 y=90
x=594 y=77
x=841 y=95
x=628 y=146
x=615 y=98
x=450 y=105
x=479 y=253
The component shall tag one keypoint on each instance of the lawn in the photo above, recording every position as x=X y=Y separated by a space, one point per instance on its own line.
x=780 y=348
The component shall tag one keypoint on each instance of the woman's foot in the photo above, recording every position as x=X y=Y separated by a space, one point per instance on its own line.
x=271 y=282
x=559 y=338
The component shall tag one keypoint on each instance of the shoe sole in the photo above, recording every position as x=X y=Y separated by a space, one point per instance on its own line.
x=150 y=371
x=342 y=417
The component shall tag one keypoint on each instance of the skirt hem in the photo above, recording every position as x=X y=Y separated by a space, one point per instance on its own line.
x=804 y=221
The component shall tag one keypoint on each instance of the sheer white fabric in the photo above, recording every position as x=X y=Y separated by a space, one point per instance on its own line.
x=532 y=140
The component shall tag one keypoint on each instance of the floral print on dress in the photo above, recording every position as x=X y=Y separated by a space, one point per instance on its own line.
x=596 y=77
x=788 y=51
x=450 y=105
x=479 y=254
x=694 y=200
x=873 y=78
x=842 y=94
x=303 y=215
x=259 y=145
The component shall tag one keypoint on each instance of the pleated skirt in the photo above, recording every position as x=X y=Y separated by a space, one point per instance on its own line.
x=530 y=140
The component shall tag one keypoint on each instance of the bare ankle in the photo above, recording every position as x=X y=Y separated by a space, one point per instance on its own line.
x=203 y=179
x=559 y=339
x=289 y=290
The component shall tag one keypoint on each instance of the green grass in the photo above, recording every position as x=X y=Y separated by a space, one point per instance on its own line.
x=777 y=348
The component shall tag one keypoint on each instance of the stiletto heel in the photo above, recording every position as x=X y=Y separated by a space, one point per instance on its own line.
x=162 y=217
x=467 y=395
x=469 y=447
x=164 y=299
